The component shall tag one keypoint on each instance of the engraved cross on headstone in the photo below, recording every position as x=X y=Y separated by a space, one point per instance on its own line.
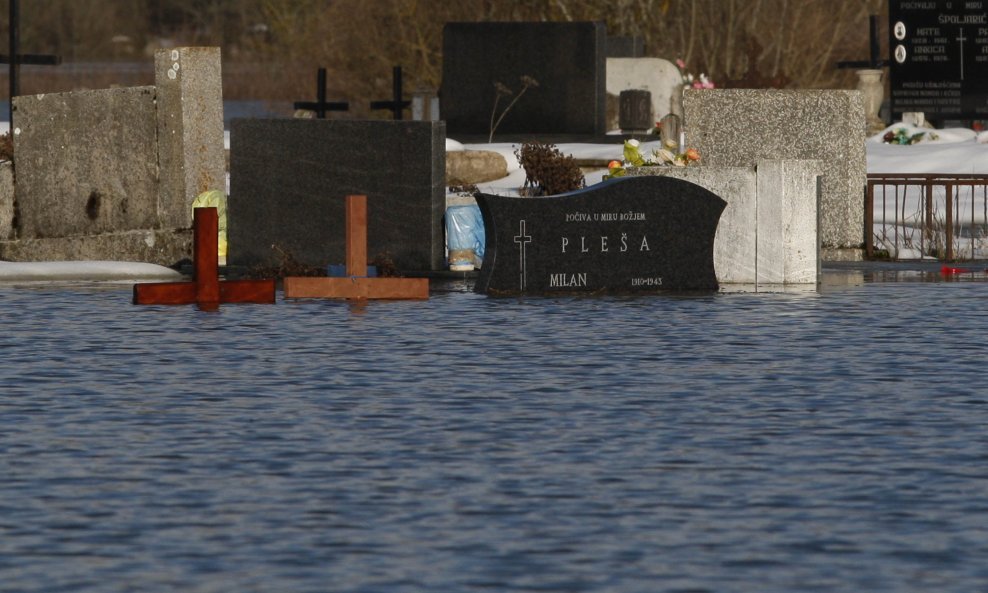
x=320 y=106
x=961 y=39
x=522 y=239
x=15 y=58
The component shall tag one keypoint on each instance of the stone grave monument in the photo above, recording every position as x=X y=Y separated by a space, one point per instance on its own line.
x=111 y=174
x=739 y=127
x=288 y=178
x=630 y=235
x=939 y=59
x=660 y=77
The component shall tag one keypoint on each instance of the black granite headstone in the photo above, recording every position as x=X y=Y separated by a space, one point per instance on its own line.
x=289 y=177
x=939 y=58
x=567 y=59
x=647 y=234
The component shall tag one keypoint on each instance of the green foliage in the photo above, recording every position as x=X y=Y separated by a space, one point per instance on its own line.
x=548 y=171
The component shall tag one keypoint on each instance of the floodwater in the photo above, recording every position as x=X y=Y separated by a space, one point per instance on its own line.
x=834 y=440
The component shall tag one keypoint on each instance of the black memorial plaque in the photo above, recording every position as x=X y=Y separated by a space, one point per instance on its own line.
x=628 y=235
x=939 y=57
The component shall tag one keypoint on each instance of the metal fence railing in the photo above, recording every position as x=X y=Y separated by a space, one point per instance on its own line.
x=938 y=216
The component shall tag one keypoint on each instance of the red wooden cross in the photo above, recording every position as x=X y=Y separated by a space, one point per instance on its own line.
x=356 y=285
x=207 y=290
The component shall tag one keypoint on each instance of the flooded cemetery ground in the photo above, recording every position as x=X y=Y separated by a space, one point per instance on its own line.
x=825 y=440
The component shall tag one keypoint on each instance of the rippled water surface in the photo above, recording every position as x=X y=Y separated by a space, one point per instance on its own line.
x=831 y=441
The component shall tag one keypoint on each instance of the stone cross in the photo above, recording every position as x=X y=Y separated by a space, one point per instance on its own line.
x=320 y=106
x=206 y=290
x=396 y=105
x=356 y=284
x=15 y=58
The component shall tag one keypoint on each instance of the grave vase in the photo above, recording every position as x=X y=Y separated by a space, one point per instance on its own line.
x=873 y=92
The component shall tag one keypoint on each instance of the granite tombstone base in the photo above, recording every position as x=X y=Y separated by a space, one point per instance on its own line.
x=633 y=235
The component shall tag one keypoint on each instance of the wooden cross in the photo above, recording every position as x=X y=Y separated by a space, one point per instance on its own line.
x=356 y=284
x=396 y=105
x=320 y=106
x=206 y=290
x=15 y=58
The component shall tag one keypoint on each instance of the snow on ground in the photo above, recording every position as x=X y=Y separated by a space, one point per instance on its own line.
x=107 y=271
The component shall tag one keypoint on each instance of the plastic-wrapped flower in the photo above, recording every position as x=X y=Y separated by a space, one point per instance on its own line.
x=703 y=82
x=693 y=155
x=665 y=155
x=632 y=154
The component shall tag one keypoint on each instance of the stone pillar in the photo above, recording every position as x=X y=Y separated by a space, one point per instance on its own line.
x=191 y=152
x=7 y=230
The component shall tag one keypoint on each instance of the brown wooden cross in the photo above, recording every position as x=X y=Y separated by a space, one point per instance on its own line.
x=356 y=284
x=206 y=290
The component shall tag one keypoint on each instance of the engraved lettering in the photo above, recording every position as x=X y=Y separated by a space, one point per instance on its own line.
x=563 y=280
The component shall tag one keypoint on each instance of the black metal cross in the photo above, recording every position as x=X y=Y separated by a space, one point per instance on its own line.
x=396 y=105
x=875 y=62
x=19 y=58
x=320 y=106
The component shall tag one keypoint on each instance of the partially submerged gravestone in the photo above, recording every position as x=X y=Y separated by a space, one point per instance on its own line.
x=288 y=176
x=630 y=235
x=567 y=59
x=768 y=234
x=111 y=174
x=739 y=127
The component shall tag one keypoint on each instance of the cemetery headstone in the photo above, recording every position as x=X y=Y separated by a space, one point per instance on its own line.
x=287 y=176
x=939 y=58
x=740 y=127
x=626 y=235
x=568 y=60
x=660 y=77
x=635 y=112
x=87 y=162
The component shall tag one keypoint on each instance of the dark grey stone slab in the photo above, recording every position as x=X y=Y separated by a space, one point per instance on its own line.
x=627 y=235
x=567 y=59
x=289 y=178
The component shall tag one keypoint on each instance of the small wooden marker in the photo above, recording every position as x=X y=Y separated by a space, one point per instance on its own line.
x=206 y=290
x=356 y=285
